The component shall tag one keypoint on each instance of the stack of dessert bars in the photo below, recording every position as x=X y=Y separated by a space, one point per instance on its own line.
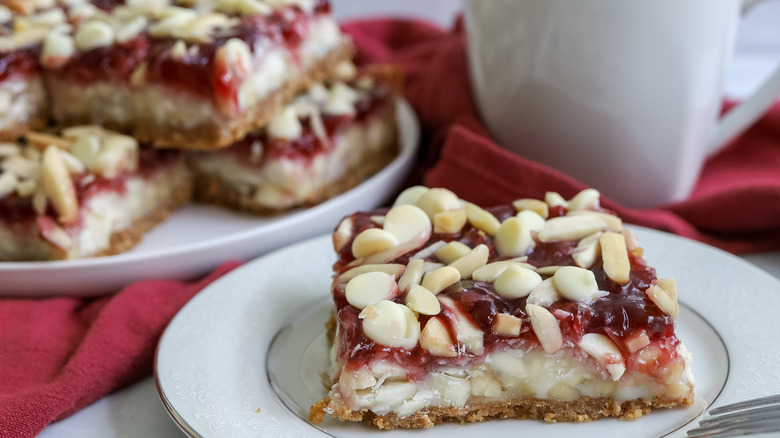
x=114 y=113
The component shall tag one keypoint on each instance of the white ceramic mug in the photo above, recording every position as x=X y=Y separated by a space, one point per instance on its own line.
x=623 y=95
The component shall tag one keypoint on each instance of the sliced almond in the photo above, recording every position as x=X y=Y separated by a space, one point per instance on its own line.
x=535 y=205
x=475 y=259
x=372 y=241
x=22 y=167
x=571 y=227
x=449 y=222
x=588 y=249
x=577 y=284
x=391 y=324
x=393 y=269
x=439 y=279
x=631 y=241
x=482 y=219
x=466 y=332
x=342 y=234
x=516 y=282
x=436 y=340
x=613 y=222
x=410 y=196
x=131 y=29
x=547 y=271
x=408 y=224
x=490 y=271
x=614 y=256
x=669 y=285
x=370 y=287
x=605 y=352
x=544 y=294
x=57 y=185
x=513 y=238
x=506 y=325
x=664 y=300
x=438 y=200
x=421 y=300
x=386 y=255
x=42 y=140
x=86 y=148
x=483 y=384
x=587 y=199
x=429 y=250
x=452 y=251
x=73 y=164
x=546 y=328
x=28 y=37
x=26 y=188
x=412 y=275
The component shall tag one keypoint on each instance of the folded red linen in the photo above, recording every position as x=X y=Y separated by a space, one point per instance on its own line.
x=735 y=204
x=58 y=355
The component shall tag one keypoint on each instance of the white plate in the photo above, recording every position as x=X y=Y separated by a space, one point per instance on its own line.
x=212 y=365
x=197 y=238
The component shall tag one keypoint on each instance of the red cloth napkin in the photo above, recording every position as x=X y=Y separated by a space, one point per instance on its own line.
x=734 y=206
x=58 y=355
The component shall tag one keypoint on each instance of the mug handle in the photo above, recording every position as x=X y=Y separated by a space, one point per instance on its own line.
x=746 y=113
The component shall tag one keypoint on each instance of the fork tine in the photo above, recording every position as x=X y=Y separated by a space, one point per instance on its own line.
x=732 y=430
x=753 y=403
x=755 y=414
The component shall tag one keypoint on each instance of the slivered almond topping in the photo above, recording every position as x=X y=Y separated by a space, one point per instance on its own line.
x=664 y=300
x=571 y=227
x=544 y=294
x=26 y=188
x=42 y=140
x=86 y=148
x=131 y=29
x=546 y=328
x=57 y=236
x=370 y=287
x=72 y=163
x=587 y=250
x=343 y=234
x=631 y=241
x=386 y=255
x=438 y=200
x=236 y=56
x=506 y=325
x=8 y=149
x=475 y=259
x=393 y=269
x=28 y=37
x=490 y=271
x=372 y=241
x=605 y=352
x=613 y=222
x=614 y=255
x=577 y=284
x=8 y=183
x=429 y=250
x=412 y=275
x=669 y=285
x=410 y=195
x=251 y=7
x=637 y=341
x=345 y=71
x=532 y=220
x=378 y=220
x=431 y=266
x=408 y=224
x=22 y=167
x=466 y=332
x=587 y=199
x=179 y=50
x=535 y=205
x=421 y=300
x=547 y=271
x=452 y=251
x=57 y=49
x=516 y=282
x=554 y=199
x=439 y=279
x=436 y=340
x=93 y=35
x=57 y=185
x=513 y=237
x=482 y=219
x=391 y=324
x=449 y=222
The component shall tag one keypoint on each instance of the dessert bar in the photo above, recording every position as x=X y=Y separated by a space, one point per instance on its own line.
x=445 y=311
x=84 y=193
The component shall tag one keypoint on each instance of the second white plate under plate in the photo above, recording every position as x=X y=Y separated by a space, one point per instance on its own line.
x=217 y=379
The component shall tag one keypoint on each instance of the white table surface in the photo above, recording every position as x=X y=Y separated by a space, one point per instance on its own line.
x=136 y=411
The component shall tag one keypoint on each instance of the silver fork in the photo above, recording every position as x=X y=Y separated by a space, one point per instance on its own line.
x=760 y=415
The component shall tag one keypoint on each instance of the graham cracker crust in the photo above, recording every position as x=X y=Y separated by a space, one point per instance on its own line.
x=582 y=410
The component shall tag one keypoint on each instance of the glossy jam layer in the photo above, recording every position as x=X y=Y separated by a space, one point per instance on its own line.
x=622 y=313
x=16 y=210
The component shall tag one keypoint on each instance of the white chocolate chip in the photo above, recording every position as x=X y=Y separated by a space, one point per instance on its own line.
x=57 y=185
x=475 y=259
x=546 y=328
x=439 y=279
x=513 y=237
x=605 y=352
x=535 y=205
x=93 y=35
x=436 y=340
x=466 y=332
x=412 y=275
x=577 y=284
x=372 y=241
x=571 y=227
x=393 y=269
x=421 y=300
x=516 y=282
x=587 y=250
x=410 y=195
x=490 y=271
x=452 y=251
x=614 y=256
x=57 y=50
x=531 y=219
x=482 y=219
x=544 y=294
x=285 y=124
x=449 y=222
x=438 y=200
x=391 y=324
x=369 y=288
x=587 y=199
x=408 y=224
x=506 y=325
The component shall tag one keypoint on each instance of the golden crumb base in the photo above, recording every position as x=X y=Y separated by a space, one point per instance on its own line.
x=581 y=410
